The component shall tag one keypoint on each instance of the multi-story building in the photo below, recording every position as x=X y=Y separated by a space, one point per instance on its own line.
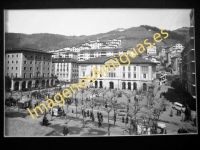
x=178 y=47
x=88 y=54
x=66 y=69
x=175 y=61
x=28 y=68
x=151 y=50
x=188 y=70
x=138 y=75
x=65 y=54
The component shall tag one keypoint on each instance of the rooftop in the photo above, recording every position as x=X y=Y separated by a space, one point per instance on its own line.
x=21 y=50
x=64 y=60
x=102 y=60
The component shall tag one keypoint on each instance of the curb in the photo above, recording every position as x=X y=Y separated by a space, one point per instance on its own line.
x=47 y=134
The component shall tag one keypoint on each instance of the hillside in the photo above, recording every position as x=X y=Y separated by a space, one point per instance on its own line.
x=182 y=31
x=130 y=38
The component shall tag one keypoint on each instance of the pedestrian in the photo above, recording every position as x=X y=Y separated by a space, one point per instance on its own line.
x=126 y=119
x=85 y=114
x=88 y=113
x=182 y=119
x=165 y=131
x=114 y=118
x=64 y=131
x=52 y=114
x=122 y=119
x=91 y=114
x=171 y=114
x=99 y=123
x=82 y=112
x=101 y=117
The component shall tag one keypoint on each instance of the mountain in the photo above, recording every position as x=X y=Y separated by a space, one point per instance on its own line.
x=182 y=31
x=130 y=38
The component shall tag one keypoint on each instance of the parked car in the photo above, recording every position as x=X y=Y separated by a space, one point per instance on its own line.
x=179 y=106
x=121 y=112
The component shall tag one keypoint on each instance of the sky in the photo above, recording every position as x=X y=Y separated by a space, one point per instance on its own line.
x=91 y=21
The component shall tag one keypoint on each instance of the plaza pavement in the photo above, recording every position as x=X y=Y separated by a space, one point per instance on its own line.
x=91 y=128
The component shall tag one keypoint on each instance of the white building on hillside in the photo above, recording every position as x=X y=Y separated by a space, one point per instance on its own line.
x=151 y=50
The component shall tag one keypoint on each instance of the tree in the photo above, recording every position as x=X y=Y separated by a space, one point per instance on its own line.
x=7 y=83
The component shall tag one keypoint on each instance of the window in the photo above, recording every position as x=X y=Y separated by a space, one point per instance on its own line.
x=35 y=57
x=37 y=68
x=123 y=75
x=134 y=68
x=123 y=68
x=134 y=75
x=48 y=75
x=36 y=62
x=30 y=68
x=16 y=75
x=44 y=63
x=83 y=73
x=16 y=62
x=8 y=62
x=48 y=69
x=30 y=75
x=8 y=56
x=8 y=68
x=91 y=74
x=31 y=56
x=17 y=55
x=16 y=68
x=25 y=62
x=25 y=56
x=12 y=56
x=129 y=75
x=43 y=74
x=31 y=62
x=24 y=75
x=57 y=69
x=44 y=58
x=144 y=68
x=12 y=62
x=24 y=68
x=129 y=68
x=144 y=76
x=39 y=62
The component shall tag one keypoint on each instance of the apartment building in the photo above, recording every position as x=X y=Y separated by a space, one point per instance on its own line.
x=65 y=54
x=28 y=68
x=188 y=70
x=66 y=69
x=88 y=54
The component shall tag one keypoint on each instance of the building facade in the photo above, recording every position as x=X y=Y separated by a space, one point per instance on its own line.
x=28 y=68
x=151 y=50
x=188 y=70
x=138 y=75
x=66 y=69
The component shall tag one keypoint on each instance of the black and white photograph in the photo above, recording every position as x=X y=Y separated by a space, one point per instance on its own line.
x=99 y=72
